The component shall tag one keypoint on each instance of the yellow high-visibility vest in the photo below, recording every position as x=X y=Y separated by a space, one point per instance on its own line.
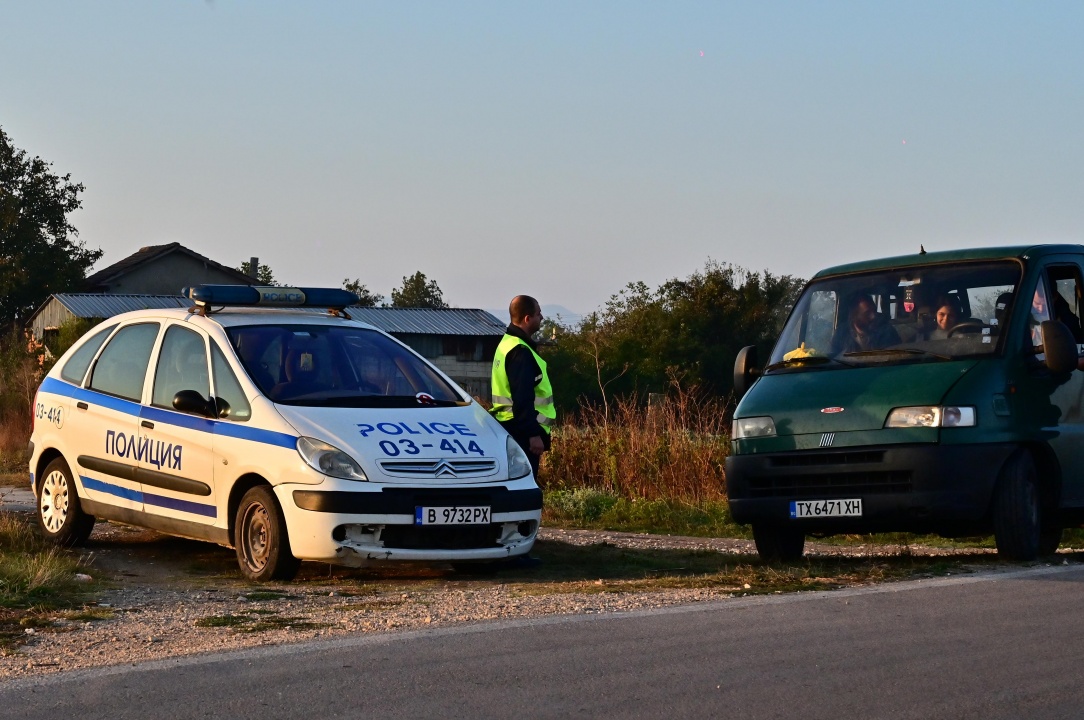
x=502 y=388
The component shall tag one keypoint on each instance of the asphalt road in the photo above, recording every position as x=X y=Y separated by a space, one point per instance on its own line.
x=1008 y=645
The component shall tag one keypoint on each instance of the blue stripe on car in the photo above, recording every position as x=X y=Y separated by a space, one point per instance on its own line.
x=183 y=505
x=149 y=498
x=111 y=489
x=191 y=422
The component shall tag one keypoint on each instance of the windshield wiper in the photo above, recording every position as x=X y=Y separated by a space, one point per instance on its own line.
x=895 y=351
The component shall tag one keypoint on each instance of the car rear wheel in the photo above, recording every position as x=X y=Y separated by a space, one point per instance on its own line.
x=260 y=538
x=1017 y=511
x=778 y=543
x=60 y=515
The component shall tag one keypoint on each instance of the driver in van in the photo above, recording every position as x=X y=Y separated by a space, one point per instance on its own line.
x=866 y=329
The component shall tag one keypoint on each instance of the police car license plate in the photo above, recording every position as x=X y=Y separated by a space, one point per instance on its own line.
x=825 y=508
x=452 y=515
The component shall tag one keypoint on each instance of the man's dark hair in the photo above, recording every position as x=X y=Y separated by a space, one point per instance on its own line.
x=521 y=306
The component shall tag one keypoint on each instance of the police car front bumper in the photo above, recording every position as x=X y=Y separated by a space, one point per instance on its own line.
x=355 y=527
x=945 y=489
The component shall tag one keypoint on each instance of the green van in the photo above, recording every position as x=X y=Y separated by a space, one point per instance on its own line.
x=932 y=393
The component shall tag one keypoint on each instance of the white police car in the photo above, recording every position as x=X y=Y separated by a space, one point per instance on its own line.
x=286 y=433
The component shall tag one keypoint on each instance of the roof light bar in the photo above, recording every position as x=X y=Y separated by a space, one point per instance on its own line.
x=269 y=296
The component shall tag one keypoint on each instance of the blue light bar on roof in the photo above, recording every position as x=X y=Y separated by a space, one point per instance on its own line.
x=268 y=296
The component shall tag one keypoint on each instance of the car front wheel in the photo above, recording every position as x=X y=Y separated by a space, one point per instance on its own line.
x=260 y=538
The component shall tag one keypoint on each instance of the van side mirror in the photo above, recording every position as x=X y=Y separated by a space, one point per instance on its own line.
x=745 y=370
x=190 y=401
x=1059 y=345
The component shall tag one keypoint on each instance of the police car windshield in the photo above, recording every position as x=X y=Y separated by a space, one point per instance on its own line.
x=900 y=315
x=329 y=366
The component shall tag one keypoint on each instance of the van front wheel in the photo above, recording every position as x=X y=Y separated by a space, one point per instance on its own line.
x=1017 y=510
x=263 y=547
x=778 y=543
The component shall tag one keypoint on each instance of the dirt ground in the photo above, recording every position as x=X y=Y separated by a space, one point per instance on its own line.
x=159 y=596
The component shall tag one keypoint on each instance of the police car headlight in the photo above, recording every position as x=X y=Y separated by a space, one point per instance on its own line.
x=931 y=416
x=753 y=427
x=518 y=464
x=329 y=459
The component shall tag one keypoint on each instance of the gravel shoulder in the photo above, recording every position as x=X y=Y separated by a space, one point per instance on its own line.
x=161 y=597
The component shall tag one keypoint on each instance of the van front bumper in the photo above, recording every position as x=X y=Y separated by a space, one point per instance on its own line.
x=904 y=488
x=354 y=528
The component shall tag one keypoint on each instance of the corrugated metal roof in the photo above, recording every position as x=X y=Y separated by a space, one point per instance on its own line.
x=427 y=321
x=407 y=321
x=101 y=305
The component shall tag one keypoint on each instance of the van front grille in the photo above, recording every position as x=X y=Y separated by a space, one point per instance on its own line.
x=850 y=457
x=830 y=485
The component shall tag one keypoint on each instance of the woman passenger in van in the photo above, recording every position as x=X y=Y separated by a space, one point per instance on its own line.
x=948 y=314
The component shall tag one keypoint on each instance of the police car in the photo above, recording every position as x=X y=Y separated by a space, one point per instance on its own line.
x=256 y=421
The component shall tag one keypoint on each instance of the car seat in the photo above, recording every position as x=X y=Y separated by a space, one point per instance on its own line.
x=302 y=374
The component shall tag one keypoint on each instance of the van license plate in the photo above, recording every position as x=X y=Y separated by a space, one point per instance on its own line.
x=451 y=516
x=825 y=508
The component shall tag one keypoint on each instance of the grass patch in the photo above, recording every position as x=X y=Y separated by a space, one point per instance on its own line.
x=600 y=510
x=257 y=621
x=258 y=595
x=36 y=580
x=92 y=614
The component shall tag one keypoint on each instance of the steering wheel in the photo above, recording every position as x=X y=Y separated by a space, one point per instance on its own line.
x=967 y=327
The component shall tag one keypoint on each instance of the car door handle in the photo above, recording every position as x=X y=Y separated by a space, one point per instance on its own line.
x=147 y=424
x=82 y=405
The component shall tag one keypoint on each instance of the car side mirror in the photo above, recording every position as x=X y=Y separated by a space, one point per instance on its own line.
x=223 y=408
x=745 y=370
x=1059 y=346
x=190 y=401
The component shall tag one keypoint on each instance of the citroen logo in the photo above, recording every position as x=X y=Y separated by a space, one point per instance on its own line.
x=445 y=469
x=827 y=439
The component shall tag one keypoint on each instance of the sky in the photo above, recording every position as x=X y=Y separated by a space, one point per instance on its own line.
x=558 y=149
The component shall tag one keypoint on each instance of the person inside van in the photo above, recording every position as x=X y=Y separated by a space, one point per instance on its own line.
x=948 y=314
x=1039 y=314
x=866 y=329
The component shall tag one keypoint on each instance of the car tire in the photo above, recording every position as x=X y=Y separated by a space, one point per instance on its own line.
x=260 y=538
x=60 y=516
x=778 y=543
x=1017 y=511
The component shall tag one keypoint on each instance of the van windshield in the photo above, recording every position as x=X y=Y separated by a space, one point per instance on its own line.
x=902 y=315
x=322 y=365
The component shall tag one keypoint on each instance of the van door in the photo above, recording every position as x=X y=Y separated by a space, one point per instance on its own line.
x=106 y=416
x=1061 y=416
x=175 y=469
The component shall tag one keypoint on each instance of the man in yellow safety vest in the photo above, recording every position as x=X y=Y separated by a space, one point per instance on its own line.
x=522 y=393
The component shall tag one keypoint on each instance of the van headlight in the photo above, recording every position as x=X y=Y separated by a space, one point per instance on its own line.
x=931 y=416
x=329 y=460
x=518 y=464
x=753 y=427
